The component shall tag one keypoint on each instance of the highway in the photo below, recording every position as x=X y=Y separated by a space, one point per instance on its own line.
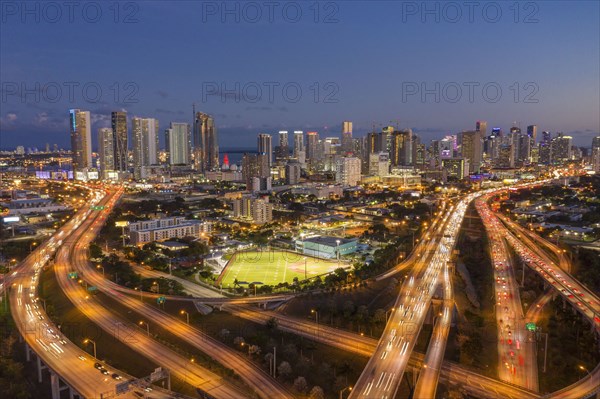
x=383 y=373
x=75 y=259
x=71 y=363
x=428 y=378
x=517 y=361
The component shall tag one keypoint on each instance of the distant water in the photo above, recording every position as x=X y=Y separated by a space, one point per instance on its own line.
x=234 y=154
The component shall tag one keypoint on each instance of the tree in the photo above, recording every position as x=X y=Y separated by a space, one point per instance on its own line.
x=284 y=369
x=379 y=316
x=272 y=324
x=300 y=384
x=317 y=393
x=348 y=308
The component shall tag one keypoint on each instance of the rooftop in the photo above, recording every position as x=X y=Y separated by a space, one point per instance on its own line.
x=329 y=241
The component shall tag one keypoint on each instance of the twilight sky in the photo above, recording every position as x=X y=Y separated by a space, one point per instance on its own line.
x=300 y=66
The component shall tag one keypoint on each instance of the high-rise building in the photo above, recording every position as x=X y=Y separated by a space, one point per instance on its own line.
x=372 y=145
x=265 y=146
x=312 y=146
x=546 y=136
x=120 y=140
x=106 y=153
x=206 y=144
x=298 y=142
x=544 y=153
x=505 y=157
x=144 y=132
x=532 y=132
x=379 y=164
x=455 y=167
x=81 y=139
x=472 y=150
x=254 y=165
x=481 y=127
x=560 y=149
x=348 y=171
x=596 y=154
x=255 y=209
x=347 y=146
x=401 y=147
x=293 y=171
x=282 y=150
x=177 y=143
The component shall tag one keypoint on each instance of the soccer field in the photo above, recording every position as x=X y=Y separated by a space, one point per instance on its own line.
x=271 y=267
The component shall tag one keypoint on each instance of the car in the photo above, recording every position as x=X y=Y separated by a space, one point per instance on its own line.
x=116 y=376
x=104 y=371
x=98 y=366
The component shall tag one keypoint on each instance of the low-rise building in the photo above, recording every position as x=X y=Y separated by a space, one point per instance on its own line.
x=326 y=246
x=146 y=231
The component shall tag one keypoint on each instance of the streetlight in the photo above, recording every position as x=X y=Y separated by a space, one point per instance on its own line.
x=582 y=368
x=305 y=268
x=157 y=286
x=337 y=249
x=140 y=290
x=87 y=340
x=387 y=312
x=344 y=390
x=141 y=323
x=100 y=267
x=316 y=318
x=187 y=315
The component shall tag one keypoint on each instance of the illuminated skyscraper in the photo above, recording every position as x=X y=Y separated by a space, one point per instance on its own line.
x=401 y=147
x=81 y=139
x=265 y=146
x=176 y=141
x=312 y=146
x=145 y=145
x=532 y=132
x=120 y=140
x=206 y=145
x=282 y=151
x=481 y=127
x=472 y=149
x=106 y=150
x=347 y=137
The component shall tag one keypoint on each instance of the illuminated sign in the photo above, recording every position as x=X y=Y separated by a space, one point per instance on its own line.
x=10 y=219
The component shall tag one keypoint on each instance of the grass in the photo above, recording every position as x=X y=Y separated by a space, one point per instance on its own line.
x=271 y=267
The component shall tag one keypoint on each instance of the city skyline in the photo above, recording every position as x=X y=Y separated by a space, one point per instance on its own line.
x=556 y=72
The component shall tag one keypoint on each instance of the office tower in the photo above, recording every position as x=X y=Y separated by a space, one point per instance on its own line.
x=282 y=150
x=401 y=147
x=312 y=146
x=205 y=142
x=81 y=139
x=596 y=154
x=47 y=148
x=348 y=171
x=293 y=171
x=55 y=148
x=347 y=137
x=544 y=156
x=505 y=157
x=106 y=148
x=532 y=132
x=144 y=134
x=481 y=127
x=455 y=167
x=546 y=137
x=177 y=143
x=379 y=164
x=560 y=149
x=265 y=147
x=20 y=150
x=254 y=165
x=118 y=120
x=472 y=150
x=372 y=144
x=448 y=147
x=298 y=142
x=524 y=152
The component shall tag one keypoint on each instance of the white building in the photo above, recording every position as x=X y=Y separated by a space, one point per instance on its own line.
x=145 y=145
x=348 y=171
x=151 y=230
x=257 y=210
x=379 y=164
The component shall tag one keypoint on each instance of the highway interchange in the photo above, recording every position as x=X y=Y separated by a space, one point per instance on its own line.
x=389 y=357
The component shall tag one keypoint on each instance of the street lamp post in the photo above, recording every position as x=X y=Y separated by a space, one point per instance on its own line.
x=187 y=315
x=305 y=268
x=316 y=318
x=87 y=340
x=157 y=286
x=582 y=368
x=388 y=312
x=344 y=390
x=337 y=249
x=141 y=323
x=100 y=267
x=140 y=290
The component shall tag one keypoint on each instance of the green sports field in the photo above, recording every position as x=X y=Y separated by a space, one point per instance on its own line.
x=271 y=267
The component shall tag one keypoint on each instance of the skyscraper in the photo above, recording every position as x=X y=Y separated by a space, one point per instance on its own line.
x=282 y=151
x=265 y=146
x=532 y=132
x=472 y=149
x=312 y=144
x=481 y=127
x=145 y=145
x=81 y=139
x=106 y=153
x=348 y=171
x=596 y=154
x=120 y=140
x=254 y=166
x=401 y=147
x=177 y=143
x=560 y=149
x=347 y=137
x=206 y=145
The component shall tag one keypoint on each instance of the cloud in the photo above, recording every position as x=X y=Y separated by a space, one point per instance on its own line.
x=11 y=117
x=161 y=93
